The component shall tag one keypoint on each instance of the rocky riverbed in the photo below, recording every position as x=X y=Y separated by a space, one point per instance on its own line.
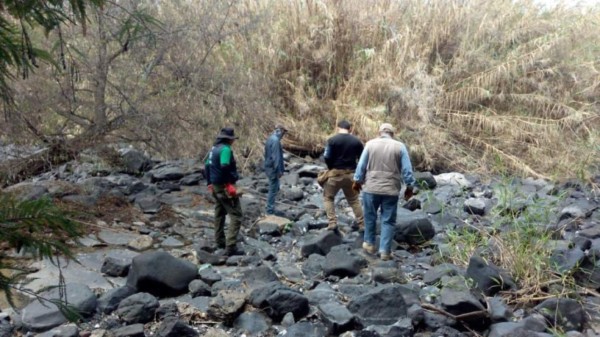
x=148 y=266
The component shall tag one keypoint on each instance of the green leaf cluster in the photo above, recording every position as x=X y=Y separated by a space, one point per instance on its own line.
x=38 y=227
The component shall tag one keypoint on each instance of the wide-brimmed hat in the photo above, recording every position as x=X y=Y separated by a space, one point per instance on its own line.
x=227 y=133
x=387 y=127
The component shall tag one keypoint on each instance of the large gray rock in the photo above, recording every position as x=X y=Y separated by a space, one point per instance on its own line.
x=343 y=261
x=531 y=326
x=134 y=330
x=191 y=179
x=588 y=273
x=475 y=206
x=199 y=288
x=413 y=228
x=487 y=277
x=115 y=267
x=563 y=313
x=173 y=327
x=166 y=172
x=138 y=308
x=309 y=171
x=116 y=238
x=135 y=161
x=321 y=294
x=321 y=243
x=276 y=300
x=435 y=274
x=499 y=310
x=110 y=300
x=579 y=208
x=457 y=299
x=305 y=329
x=402 y=328
x=69 y=330
x=41 y=315
x=27 y=191
x=148 y=204
x=380 y=306
x=293 y=193
x=255 y=277
x=425 y=180
x=567 y=260
x=453 y=179
x=161 y=274
x=336 y=317
x=313 y=266
x=252 y=323
x=226 y=306
x=209 y=275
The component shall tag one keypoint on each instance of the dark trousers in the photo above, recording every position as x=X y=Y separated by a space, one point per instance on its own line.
x=226 y=205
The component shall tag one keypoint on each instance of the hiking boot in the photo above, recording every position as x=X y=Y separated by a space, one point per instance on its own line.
x=234 y=250
x=369 y=248
x=385 y=256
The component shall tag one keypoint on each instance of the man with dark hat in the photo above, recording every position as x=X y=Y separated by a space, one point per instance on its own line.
x=274 y=165
x=221 y=176
x=341 y=156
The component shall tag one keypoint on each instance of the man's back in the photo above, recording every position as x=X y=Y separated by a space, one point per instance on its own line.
x=383 y=167
x=343 y=151
x=273 y=155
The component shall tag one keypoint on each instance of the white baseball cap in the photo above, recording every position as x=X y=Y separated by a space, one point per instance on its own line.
x=387 y=127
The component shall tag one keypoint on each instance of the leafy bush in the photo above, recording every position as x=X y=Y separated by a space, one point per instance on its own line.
x=37 y=227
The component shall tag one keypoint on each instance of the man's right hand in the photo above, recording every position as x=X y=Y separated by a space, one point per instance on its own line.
x=230 y=190
x=211 y=189
x=408 y=193
x=356 y=186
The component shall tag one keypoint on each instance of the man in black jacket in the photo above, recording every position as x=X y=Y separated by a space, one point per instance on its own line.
x=341 y=156
x=221 y=176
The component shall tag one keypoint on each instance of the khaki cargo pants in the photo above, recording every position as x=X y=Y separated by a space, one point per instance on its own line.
x=341 y=179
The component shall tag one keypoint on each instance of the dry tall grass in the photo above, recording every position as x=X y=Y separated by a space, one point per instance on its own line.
x=485 y=86
x=480 y=86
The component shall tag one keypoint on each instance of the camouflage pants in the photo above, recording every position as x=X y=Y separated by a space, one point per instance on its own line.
x=226 y=205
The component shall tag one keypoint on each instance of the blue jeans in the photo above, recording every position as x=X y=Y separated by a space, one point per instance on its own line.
x=388 y=204
x=273 y=189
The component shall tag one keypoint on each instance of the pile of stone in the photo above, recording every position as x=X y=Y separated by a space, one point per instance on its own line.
x=157 y=277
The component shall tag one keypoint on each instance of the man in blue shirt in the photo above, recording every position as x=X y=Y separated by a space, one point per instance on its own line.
x=383 y=165
x=274 y=165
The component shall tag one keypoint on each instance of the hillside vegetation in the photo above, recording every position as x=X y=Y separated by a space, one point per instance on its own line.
x=478 y=86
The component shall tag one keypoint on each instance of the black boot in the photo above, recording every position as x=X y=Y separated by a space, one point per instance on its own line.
x=234 y=250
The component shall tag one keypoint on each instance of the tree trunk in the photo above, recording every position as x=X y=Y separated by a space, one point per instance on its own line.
x=101 y=75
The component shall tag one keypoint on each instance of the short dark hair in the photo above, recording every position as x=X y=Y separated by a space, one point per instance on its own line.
x=344 y=124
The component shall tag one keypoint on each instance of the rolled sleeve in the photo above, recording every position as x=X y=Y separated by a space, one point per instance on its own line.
x=361 y=168
x=406 y=167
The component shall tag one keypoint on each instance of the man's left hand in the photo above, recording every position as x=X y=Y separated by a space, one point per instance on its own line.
x=356 y=186
x=408 y=193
